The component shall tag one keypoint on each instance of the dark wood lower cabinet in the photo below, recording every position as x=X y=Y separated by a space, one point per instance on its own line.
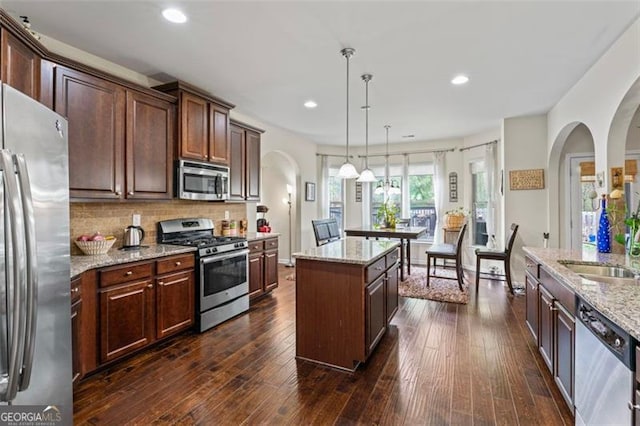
x=392 y=291
x=127 y=318
x=545 y=319
x=532 y=305
x=564 y=343
x=376 y=319
x=263 y=267
x=76 y=326
x=175 y=301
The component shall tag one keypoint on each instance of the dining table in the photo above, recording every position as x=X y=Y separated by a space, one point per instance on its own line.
x=404 y=234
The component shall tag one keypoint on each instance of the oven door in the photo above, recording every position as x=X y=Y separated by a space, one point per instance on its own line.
x=223 y=278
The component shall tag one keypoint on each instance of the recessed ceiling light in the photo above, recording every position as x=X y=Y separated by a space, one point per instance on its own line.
x=310 y=104
x=174 y=15
x=408 y=136
x=459 y=79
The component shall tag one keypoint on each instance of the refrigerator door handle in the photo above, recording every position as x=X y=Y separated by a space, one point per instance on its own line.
x=16 y=279
x=32 y=270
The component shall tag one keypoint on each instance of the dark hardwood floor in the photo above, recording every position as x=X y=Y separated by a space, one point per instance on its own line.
x=438 y=364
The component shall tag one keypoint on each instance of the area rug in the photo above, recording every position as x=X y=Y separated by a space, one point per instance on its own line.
x=441 y=290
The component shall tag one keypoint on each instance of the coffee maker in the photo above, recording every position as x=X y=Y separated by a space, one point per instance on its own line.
x=262 y=223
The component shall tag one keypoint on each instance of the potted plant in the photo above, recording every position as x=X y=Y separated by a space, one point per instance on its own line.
x=387 y=214
x=454 y=219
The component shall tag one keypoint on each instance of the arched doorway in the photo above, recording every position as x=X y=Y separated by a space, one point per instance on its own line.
x=280 y=173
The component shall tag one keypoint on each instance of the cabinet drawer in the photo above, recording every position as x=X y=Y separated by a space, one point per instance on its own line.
x=175 y=263
x=256 y=246
x=76 y=289
x=532 y=267
x=118 y=275
x=392 y=258
x=375 y=269
x=271 y=243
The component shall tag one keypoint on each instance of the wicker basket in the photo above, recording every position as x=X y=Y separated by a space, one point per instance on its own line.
x=95 y=247
x=453 y=221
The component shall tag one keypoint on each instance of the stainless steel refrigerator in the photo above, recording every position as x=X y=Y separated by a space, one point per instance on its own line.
x=35 y=320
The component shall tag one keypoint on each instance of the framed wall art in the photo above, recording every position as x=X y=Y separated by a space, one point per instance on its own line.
x=526 y=179
x=453 y=187
x=309 y=191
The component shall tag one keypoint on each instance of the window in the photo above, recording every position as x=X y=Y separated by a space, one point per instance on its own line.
x=336 y=203
x=479 y=201
x=420 y=208
x=422 y=211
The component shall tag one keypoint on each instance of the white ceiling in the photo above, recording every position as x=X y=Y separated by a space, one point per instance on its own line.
x=268 y=57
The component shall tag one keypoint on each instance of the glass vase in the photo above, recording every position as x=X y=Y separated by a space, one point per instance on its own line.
x=604 y=229
x=634 y=243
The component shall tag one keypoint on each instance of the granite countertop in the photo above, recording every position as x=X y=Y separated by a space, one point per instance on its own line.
x=618 y=302
x=80 y=264
x=349 y=250
x=254 y=236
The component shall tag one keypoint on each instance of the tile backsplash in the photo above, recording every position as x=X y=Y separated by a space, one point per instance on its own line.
x=113 y=218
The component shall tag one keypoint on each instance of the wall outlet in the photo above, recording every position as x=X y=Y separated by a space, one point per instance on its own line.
x=226 y=214
x=135 y=221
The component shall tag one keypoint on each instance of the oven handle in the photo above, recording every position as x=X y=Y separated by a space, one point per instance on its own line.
x=214 y=258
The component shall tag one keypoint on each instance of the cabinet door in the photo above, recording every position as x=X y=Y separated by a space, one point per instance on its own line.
x=95 y=109
x=545 y=326
x=256 y=274
x=236 y=163
x=531 y=295
x=20 y=66
x=47 y=82
x=218 y=134
x=174 y=303
x=194 y=130
x=375 y=317
x=252 y=164
x=270 y=270
x=127 y=320
x=392 y=292
x=76 y=345
x=564 y=342
x=149 y=147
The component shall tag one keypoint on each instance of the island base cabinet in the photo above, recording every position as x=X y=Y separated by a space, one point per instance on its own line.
x=545 y=336
x=376 y=320
x=564 y=342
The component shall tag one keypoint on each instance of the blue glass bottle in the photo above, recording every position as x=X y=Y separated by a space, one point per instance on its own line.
x=604 y=241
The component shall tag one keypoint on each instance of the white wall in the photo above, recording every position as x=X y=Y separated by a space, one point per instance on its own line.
x=524 y=144
x=594 y=101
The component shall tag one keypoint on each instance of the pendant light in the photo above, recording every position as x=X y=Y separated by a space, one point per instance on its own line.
x=387 y=187
x=367 y=174
x=348 y=170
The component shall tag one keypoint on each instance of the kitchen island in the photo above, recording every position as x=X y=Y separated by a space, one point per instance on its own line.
x=346 y=295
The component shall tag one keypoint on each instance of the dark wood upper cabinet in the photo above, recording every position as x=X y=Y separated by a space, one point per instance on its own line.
x=47 y=79
x=203 y=124
x=244 y=162
x=149 y=147
x=218 y=134
x=193 y=127
x=20 y=66
x=95 y=109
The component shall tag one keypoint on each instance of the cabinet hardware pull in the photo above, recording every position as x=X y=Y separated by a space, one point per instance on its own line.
x=178 y=263
x=160 y=282
x=130 y=192
x=633 y=406
x=150 y=286
x=75 y=290
x=128 y=273
x=118 y=193
x=552 y=309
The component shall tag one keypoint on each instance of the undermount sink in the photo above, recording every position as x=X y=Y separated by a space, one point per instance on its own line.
x=602 y=273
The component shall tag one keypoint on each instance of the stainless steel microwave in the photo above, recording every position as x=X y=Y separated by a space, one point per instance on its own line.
x=202 y=181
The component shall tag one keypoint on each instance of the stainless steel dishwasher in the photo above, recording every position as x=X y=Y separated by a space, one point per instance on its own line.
x=604 y=369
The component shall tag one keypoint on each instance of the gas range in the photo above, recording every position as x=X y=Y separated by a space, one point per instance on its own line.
x=198 y=232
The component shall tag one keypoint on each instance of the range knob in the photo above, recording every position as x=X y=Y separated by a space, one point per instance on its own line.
x=617 y=342
x=208 y=251
x=213 y=250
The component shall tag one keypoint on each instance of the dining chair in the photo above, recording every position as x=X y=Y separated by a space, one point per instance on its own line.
x=503 y=256
x=447 y=251
x=325 y=230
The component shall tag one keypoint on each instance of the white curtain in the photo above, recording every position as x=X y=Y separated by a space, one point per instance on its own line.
x=323 y=188
x=440 y=192
x=406 y=202
x=490 y=180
